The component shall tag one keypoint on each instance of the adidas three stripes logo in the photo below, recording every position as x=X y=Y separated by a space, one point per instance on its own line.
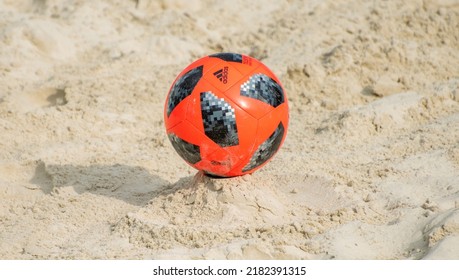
x=222 y=74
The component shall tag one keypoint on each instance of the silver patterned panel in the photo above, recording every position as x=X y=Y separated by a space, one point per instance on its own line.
x=183 y=87
x=263 y=88
x=266 y=150
x=219 y=120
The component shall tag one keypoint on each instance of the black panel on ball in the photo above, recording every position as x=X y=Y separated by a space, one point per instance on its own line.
x=189 y=152
x=267 y=149
x=231 y=57
x=219 y=120
x=263 y=88
x=183 y=87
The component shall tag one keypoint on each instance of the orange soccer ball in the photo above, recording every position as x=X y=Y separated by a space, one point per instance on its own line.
x=226 y=114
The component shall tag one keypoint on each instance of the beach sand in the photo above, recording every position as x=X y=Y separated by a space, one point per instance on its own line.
x=369 y=169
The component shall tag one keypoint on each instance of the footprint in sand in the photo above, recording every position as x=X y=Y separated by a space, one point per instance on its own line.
x=41 y=98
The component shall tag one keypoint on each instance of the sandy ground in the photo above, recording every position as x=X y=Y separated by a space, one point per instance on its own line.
x=369 y=169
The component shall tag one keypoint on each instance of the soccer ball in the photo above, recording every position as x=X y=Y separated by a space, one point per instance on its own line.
x=226 y=114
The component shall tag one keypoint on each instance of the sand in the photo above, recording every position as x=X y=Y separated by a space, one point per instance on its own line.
x=369 y=169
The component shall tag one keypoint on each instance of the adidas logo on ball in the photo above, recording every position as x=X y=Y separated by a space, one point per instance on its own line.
x=222 y=74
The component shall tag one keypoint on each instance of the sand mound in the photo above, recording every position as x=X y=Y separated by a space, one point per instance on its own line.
x=200 y=212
